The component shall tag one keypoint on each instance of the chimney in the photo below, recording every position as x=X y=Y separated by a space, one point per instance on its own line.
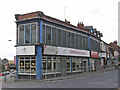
x=115 y=42
x=67 y=21
x=80 y=25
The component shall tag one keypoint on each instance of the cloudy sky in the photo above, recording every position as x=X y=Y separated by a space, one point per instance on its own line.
x=101 y=14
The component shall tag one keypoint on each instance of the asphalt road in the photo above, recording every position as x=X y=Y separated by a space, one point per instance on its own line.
x=108 y=79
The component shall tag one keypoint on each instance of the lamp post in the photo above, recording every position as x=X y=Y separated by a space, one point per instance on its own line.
x=12 y=41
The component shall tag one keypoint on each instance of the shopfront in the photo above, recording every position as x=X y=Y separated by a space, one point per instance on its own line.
x=51 y=65
x=94 y=61
x=74 y=62
x=26 y=62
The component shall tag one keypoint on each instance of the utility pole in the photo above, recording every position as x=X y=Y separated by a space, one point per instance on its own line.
x=65 y=11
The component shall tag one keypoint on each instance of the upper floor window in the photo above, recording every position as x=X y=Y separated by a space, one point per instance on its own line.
x=33 y=33
x=21 y=35
x=27 y=33
x=48 y=35
x=54 y=35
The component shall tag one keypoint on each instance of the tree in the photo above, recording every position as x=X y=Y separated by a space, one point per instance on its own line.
x=3 y=67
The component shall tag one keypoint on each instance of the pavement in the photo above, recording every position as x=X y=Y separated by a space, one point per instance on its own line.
x=106 y=78
x=72 y=76
x=10 y=79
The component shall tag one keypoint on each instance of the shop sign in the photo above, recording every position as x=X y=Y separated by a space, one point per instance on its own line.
x=116 y=54
x=99 y=55
x=65 y=51
x=25 y=50
x=94 y=54
x=50 y=50
x=103 y=54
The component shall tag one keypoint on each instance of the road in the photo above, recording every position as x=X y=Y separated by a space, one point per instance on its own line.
x=108 y=79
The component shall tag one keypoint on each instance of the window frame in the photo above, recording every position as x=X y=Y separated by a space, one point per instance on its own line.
x=30 y=32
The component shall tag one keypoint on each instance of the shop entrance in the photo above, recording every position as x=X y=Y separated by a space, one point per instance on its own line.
x=92 y=65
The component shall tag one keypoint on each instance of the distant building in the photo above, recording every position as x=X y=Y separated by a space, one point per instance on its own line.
x=5 y=61
x=11 y=64
x=115 y=50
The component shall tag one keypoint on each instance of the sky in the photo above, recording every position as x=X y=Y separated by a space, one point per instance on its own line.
x=101 y=14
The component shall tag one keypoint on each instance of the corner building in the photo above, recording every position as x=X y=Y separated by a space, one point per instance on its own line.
x=48 y=47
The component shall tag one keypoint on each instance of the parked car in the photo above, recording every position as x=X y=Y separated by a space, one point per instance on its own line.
x=12 y=74
x=12 y=70
x=1 y=74
x=7 y=72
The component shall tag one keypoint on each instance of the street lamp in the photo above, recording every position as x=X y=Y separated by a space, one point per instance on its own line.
x=9 y=40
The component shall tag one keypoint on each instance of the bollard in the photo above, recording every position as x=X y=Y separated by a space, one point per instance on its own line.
x=5 y=78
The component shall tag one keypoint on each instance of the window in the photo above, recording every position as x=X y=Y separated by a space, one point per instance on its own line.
x=83 y=42
x=54 y=36
x=68 y=64
x=22 y=66
x=33 y=66
x=27 y=33
x=59 y=37
x=64 y=38
x=73 y=40
x=49 y=66
x=80 y=41
x=21 y=35
x=43 y=33
x=68 y=39
x=86 y=42
x=76 y=40
x=44 y=66
x=73 y=64
x=27 y=65
x=54 y=65
x=48 y=34
x=33 y=33
x=95 y=45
